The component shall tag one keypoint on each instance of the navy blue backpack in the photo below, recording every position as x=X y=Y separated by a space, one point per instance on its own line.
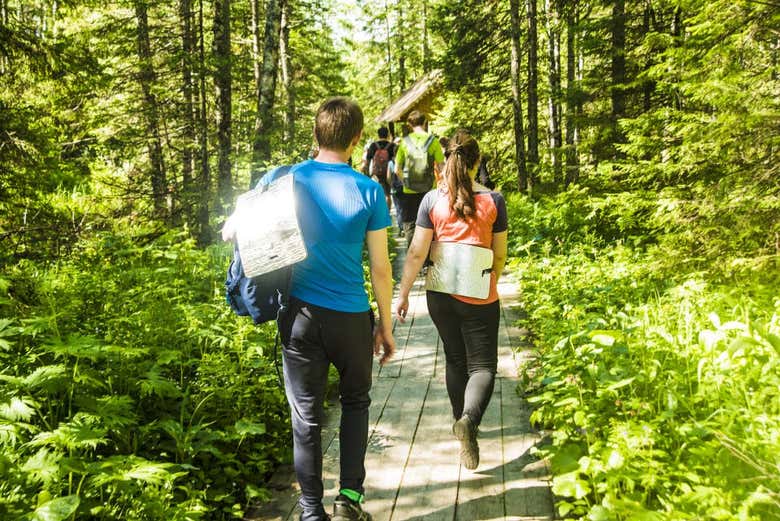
x=263 y=297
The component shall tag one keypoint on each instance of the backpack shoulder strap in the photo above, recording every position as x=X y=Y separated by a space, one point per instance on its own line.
x=428 y=141
x=279 y=173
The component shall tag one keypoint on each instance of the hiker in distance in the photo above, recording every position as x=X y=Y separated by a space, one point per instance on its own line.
x=464 y=212
x=378 y=157
x=417 y=161
x=328 y=319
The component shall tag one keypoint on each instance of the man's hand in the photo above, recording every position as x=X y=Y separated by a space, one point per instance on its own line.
x=229 y=229
x=384 y=344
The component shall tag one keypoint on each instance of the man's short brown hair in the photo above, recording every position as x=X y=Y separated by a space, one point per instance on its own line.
x=338 y=122
x=416 y=119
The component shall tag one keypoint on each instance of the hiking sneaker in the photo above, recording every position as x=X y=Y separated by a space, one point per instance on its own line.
x=326 y=518
x=466 y=432
x=344 y=509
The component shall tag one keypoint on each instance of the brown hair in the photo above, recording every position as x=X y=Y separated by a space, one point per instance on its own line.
x=463 y=152
x=338 y=121
x=416 y=119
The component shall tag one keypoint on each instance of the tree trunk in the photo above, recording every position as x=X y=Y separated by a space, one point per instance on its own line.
x=554 y=79
x=3 y=24
x=533 y=96
x=572 y=92
x=55 y=6
x=649 y=85
x=147 y=78
x=426 y=50
x=389 y=55
x=223 y=84
x=517 y=102
x=255 y=6
x=188 y=113
x=401 y=47
x=284 y=51
x=618 y=61
x=261 y=149
x=204 y=188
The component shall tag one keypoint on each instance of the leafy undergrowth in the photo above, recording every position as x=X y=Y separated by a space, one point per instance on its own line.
x=129 y=390
x=659 y=378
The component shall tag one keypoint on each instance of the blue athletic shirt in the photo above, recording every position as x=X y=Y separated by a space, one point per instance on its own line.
x=336 y=207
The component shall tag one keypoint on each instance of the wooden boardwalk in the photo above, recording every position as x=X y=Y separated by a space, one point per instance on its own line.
x=412 y=464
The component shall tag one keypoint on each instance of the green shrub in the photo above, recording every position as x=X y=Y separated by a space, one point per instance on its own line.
x=130 y=389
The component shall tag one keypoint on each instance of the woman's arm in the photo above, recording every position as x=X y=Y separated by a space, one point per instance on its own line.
x=499 y=252
x=415 y=257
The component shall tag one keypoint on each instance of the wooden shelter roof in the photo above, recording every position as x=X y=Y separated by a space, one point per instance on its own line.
x=418 y=96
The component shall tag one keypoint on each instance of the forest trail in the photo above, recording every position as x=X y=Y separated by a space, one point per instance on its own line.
x=412 y=464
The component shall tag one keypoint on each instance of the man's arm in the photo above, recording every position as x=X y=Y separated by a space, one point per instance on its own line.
x=382 y=283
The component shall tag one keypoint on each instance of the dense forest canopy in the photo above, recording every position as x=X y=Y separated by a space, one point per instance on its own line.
x=638 y=144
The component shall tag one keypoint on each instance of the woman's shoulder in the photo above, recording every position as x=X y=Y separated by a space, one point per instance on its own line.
x=485 y=191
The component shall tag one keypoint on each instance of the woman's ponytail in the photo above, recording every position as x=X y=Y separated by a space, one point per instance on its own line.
x=463 y=155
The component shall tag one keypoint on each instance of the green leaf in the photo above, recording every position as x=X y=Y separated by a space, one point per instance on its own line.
x=603 y=340
x=17 y=409
x=599 y=513
x=58 y=509
x=572 y=400
x=245 y=426
x=621 y=383
x=774 y=341
x=47 y=377
x=570 y=485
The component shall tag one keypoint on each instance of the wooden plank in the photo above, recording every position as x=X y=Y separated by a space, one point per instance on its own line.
x=507 y=366
x=527 y=493
x=419 y=359
x=389 y=446
x=429 y=484
x=481 y=491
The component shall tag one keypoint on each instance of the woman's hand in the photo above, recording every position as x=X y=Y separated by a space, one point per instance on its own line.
x=401 y=307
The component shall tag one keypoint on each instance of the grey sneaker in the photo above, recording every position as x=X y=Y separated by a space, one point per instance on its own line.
x=466 y=432
x=326 y=518
x=344 y=509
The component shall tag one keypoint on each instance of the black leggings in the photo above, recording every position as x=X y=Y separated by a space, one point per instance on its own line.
x=470 y=336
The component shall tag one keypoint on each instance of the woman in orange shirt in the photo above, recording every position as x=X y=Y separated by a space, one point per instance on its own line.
x=462 y=211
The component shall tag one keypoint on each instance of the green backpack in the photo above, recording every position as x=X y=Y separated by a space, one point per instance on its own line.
x=418 y=166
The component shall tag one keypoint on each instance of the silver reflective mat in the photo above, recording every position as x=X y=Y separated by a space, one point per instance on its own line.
x=459 y=269
x=267 y=228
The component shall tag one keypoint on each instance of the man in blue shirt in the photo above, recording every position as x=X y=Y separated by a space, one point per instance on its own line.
x=329 y=319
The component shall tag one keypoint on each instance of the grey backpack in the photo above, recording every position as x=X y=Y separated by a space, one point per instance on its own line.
x=418 y=166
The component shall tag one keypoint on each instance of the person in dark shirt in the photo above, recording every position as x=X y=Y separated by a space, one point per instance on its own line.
x=379 y=155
